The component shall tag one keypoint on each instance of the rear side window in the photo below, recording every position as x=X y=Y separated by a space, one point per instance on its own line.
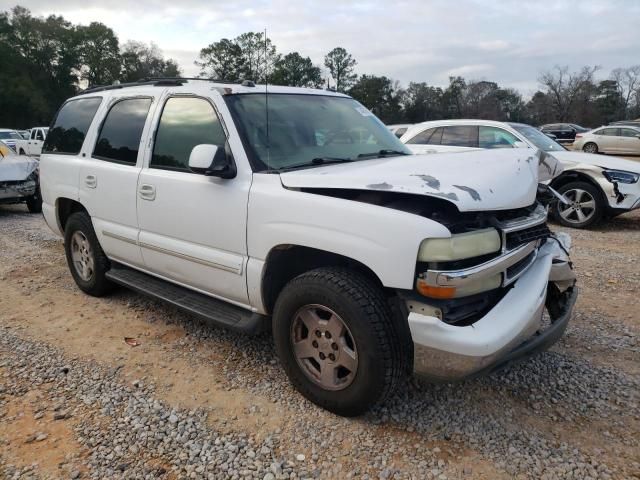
x=609 y=132
x=121 y=131
x=460 y=136
x=71 y=125
x=428 y=137
x=185 y=123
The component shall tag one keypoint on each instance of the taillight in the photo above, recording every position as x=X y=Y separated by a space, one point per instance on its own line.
x=578 y=135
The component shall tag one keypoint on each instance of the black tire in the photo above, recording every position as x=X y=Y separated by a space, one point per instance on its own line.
x=573 y=221
x=34 y=202
x=21 y=152
x=590 y=147
x=379 y=338
x=97 y=285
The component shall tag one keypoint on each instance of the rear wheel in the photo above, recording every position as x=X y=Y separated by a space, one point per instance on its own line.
x=590 y=148
x=586 y=205
x=21 y=152
x=337 y=340
x=87 y=262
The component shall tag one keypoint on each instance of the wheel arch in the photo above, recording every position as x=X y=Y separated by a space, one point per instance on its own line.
x=64 y=208
x=284 y=262
x=570 y=176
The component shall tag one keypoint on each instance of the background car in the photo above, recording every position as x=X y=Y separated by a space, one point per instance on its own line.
x=563 y=132
x=19 y=179
x=628 y=123
x=24 y=133
x=610 y=139
x=596 y=186
x=9 y=136
x=399 y=129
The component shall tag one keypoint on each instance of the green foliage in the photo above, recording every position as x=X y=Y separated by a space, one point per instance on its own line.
x=296 y=71
x=341 y=67
x=248 y=56
x=139 y=61
x=380 y=95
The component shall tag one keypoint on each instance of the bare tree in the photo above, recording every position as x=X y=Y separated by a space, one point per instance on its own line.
x=628 y=80
x=564 y=88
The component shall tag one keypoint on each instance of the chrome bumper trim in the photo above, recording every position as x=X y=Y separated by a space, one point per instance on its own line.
x=456 y=278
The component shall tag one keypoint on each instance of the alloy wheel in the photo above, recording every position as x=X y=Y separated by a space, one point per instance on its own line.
x=581 y=208
x=82 y=256
x=324 y=347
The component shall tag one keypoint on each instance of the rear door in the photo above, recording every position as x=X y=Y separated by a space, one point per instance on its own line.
x=630 y=141
x=109 y=175
x=459 y=138
x=609 y=140
x=34 y=145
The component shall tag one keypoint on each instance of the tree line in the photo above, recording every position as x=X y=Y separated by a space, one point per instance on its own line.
x=46 y=60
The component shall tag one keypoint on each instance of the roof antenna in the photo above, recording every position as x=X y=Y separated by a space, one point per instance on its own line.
x=266 y=98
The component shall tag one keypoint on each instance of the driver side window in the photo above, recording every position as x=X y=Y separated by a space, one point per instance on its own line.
x=185 y=123
x=494 y=137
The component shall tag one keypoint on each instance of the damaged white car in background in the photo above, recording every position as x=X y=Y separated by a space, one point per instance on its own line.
x=19 y=179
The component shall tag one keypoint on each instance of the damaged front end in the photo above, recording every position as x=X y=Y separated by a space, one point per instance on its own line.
x=513 y=299
x=18 y=178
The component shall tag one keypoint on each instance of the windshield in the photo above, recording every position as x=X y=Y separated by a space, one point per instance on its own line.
x=306 y=130
x=6 y=135
x=538 y=138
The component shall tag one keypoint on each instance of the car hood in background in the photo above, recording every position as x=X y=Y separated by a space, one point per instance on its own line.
x=573 y=158
x=473 y=181
x=15 y=168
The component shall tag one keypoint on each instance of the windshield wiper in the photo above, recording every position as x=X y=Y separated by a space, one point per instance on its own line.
x=383 y=153
x=317 y=161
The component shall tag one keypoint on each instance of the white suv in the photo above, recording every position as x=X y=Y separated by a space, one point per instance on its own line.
x=595 y=186
x=305 y=215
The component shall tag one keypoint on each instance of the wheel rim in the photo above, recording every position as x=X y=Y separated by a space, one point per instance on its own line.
x=590 y=148
x=82 y=256
x=581 y=208
x=324 y=347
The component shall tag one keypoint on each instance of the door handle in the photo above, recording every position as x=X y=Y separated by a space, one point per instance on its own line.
x=147 y=192
x=91 y=181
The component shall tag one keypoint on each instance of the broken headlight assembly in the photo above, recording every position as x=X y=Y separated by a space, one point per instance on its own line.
x=620 y=176
x=460 y=246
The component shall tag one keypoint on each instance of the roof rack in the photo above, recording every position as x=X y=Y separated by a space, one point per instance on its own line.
x=161 y=82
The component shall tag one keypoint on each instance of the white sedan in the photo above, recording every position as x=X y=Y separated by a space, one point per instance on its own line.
x=595 y=185
x=611 y=139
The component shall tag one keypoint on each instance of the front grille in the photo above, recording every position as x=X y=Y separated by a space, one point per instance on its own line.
x=517 y=268
x=520 y=237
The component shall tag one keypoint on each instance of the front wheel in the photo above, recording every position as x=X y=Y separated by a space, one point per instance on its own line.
x=586 y=206
x=34 y=202
x=338 y=340
x=87 y=262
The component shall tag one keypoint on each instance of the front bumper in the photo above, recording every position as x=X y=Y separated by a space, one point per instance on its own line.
x=16 y=191
x=512 y=329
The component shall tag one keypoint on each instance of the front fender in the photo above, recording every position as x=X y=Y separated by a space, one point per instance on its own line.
x=383 y=239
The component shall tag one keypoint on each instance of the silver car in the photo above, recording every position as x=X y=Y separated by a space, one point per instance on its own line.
x=610 y=139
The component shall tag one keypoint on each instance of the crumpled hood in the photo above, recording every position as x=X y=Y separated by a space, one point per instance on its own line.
x=473 y=181
x=575 y=158
x=15 y=168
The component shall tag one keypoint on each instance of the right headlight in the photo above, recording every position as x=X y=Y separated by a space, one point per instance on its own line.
x=460 y=246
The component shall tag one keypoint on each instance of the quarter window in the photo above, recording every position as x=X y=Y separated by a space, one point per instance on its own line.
x=460 y=136
x=119 y=138
x=494 y=137
x=427 y=137
x=185 y=123
x=71 y=125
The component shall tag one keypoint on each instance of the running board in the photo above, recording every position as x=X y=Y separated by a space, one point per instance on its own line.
x=212 y=310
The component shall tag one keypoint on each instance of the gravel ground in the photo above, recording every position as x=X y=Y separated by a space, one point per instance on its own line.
x=194 y=401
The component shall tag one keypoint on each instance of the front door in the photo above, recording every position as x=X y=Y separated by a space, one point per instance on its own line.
x=192 y=226
x=109 y=178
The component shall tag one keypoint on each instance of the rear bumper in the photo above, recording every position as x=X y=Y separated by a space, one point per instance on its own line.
x=511 y=330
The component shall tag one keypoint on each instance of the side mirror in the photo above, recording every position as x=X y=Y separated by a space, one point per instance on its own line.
x=212 y=161
x=519 y=144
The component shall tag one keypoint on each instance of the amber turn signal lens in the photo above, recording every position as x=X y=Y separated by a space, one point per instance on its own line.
x=442 y=293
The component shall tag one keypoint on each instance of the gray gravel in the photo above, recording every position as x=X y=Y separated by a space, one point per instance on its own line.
x=130 y=433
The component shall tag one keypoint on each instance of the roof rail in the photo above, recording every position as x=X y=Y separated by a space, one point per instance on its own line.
x=160 y=82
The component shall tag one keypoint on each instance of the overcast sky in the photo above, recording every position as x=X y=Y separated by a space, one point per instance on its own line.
x=508 y=41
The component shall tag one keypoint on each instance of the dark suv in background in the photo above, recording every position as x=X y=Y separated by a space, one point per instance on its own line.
x=563 y=132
